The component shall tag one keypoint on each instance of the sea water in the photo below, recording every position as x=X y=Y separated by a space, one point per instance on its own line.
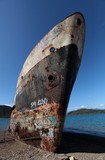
x=88 y=124
x=93 y=124
x=4 y=124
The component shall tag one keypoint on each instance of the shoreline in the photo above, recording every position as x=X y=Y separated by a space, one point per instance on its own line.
x=80 y=142
x=80 y=146
x=84 y=132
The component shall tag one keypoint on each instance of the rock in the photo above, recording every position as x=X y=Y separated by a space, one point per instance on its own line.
x=71 y=158
x=68 y=158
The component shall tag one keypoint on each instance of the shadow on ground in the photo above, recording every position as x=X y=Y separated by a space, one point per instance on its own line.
x=75 y=142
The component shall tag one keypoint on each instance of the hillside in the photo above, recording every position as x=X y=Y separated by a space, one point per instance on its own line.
x=5 y=111
x=86 y=111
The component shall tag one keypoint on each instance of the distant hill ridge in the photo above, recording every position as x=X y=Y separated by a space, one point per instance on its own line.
x=86 y=111
x=5 y=111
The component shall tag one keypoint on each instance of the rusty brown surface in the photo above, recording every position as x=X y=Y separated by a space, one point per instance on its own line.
x=44 y=86
x=70 y=31
x=40 y=127
x=50 y=80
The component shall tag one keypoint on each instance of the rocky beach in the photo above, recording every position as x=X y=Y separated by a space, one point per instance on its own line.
x=73 y=146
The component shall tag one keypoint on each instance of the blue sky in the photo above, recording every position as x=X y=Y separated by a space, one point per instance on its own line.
x=23 y=24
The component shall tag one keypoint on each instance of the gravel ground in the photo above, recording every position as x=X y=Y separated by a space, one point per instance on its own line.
x=79 y=146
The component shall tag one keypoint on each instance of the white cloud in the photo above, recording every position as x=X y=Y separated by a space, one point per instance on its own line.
x=82 y=106
x=8 y=105
x=101 y=106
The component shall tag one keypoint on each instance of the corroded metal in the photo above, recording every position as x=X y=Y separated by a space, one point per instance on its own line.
x=45 y=83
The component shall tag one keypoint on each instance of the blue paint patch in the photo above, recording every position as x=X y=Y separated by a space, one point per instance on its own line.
x=53 y=120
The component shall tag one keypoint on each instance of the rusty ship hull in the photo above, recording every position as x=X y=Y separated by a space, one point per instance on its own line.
x=45 y=84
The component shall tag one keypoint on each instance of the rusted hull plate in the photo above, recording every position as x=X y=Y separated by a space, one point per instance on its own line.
x=45 y=83
x=40 y=127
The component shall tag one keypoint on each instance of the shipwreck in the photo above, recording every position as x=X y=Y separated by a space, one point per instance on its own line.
x=45 y=84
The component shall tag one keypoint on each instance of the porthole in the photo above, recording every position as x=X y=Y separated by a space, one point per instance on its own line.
x=52 y=49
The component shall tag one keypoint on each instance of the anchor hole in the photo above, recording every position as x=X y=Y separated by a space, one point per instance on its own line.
x=79 y=21
x=51 y=78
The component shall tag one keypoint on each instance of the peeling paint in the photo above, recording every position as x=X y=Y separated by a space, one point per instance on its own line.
x=38 y=121
x=45 y=84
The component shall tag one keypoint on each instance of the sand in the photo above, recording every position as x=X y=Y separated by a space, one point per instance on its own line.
x=82 y=147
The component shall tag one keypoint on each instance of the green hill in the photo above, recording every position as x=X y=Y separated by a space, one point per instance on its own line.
x=86 y=111
x=5 y=111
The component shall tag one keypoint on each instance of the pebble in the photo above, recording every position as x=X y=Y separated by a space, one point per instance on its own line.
x=69 y=158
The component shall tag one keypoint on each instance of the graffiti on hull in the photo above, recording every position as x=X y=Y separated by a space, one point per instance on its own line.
x=39 y=102
x=44 y=121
